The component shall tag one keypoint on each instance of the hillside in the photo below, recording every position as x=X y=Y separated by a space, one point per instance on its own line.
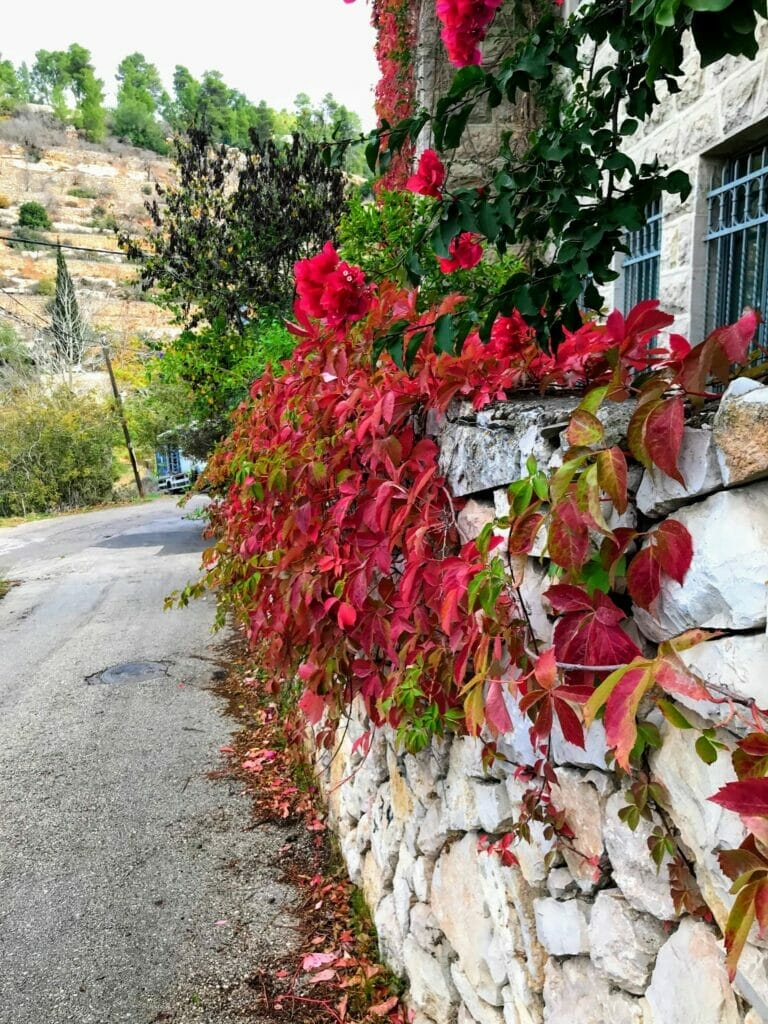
x=87 y=191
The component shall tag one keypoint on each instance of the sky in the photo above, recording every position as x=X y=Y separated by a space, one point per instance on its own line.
x=268 y=49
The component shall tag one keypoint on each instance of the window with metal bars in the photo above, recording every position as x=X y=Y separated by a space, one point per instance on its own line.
x=737 y=240
x=641 y=266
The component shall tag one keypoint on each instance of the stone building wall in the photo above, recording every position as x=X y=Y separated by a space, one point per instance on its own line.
x=719 y=112
x=472 y=161
x=592 y=938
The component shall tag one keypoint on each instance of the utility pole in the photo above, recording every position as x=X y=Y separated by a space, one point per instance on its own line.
x=123 y=421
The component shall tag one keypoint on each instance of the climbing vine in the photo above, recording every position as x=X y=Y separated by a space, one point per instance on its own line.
x=337 y=537
x=395 y=24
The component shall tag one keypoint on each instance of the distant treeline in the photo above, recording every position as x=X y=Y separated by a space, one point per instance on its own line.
x=146 y=114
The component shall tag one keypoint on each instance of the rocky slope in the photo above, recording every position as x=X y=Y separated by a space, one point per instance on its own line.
x=88 y=193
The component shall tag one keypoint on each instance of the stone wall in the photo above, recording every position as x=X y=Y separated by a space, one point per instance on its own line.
x=591 y=936
x=719 y=112
x=472 y=161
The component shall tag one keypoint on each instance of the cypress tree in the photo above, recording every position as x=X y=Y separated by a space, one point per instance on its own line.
x=67 y=325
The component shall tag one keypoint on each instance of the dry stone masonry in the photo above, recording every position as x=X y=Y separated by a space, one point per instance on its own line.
x=592 y=938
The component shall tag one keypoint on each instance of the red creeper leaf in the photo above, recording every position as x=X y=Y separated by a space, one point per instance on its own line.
x=612 y=476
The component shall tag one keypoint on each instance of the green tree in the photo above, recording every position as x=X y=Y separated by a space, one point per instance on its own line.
x=11 y=88
x=50 y=78
x=224 y=242
x=68 y=329
x=34 y=215
x=88 y=91
x=56 y=451
x=331 y=120
x=140 y=96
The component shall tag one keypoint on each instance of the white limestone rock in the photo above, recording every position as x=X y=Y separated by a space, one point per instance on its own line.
x=725 y=587
x=390 y=934
x=576 y=993
x=591 y=755
x=476 y=1009
x=739 y=663
x=433 y=831
x=623 y=942
x=402 y=887
x=501 y=926
x=561 y=883
x=431 y=990
x=582 y=796
x=704 y=826
x=659 y=494
x=426 y=931
x=386 y=833
x=423 y=869
x=689 y=982
x=741 y=432
x=562 y=926
x=473 y=518
x=633 y=870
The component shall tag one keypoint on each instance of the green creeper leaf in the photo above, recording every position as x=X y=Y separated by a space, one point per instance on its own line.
x=673 y=714
x=706 y=750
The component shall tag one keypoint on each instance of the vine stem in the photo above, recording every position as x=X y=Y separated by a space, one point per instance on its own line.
x=748 y=702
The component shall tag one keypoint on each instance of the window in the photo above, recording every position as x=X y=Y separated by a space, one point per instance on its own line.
x=641 y=266
x=737 y=239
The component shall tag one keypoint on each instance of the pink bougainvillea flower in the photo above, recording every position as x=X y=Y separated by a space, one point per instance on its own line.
x=345 y=296
x=465 y=23
x=330 y=290
x=429 y=177
x=311 y=275
x=464 y=252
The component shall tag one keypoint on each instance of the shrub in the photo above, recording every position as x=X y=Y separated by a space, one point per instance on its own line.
x=34 y=215
x=26 y=238
x=46 y=286
x=80 y=192
x=56 y=451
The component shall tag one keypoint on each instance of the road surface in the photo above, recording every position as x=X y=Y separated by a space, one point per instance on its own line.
x=131 y=887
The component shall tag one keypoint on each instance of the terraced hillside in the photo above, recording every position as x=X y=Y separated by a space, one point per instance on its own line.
x=88 y=193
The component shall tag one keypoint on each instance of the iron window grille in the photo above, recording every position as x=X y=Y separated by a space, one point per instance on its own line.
x=641 y=266
x=737 y=240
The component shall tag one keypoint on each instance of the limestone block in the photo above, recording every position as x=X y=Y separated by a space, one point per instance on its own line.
x=488 y=449
x=473 y=518
x=521 y=1006
x=751 y=980
x=738 y=100
x=562 y=926
x=456 y=886
x=424 y=770
x=390 y=934
x=725 y=587
x=576 y=993
x=633 y=870
x=386 y=833
x=401 y=796
x=561 y=883
x=689 y=981
x=372 y=883
x=402 y=887
x=741 y=432
x=623 y=942
x=352 y=856
x=476 y=804
x=704 y=827
x=477 y=459
x=659 y=494
x=738 y=663
x=431 y=990
x=501 y=926
x=582 y=796
x=426 y=932
x=423 y=869
x=433 y=831
x=591 y=755
x=478 y=1010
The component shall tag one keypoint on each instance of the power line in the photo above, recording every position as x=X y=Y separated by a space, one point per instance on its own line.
x=27 y=309
x=67 y=245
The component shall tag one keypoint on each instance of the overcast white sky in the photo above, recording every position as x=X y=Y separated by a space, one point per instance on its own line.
x=269 y=49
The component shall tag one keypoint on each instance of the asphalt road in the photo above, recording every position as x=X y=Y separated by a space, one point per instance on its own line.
x=132 y=888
